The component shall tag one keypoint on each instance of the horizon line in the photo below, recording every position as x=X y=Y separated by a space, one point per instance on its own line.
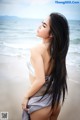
x=28 y=17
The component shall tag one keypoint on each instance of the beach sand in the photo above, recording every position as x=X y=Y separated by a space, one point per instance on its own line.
x=14 y=82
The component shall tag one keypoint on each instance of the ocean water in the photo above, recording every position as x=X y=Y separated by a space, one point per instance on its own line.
x=17 y=35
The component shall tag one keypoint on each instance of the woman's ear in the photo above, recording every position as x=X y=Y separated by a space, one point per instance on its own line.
x=51 y=36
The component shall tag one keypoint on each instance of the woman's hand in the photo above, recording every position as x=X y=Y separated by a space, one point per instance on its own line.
x=24 y=104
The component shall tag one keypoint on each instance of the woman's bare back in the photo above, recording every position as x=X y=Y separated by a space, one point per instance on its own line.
x=41 y=114
x=42 y=49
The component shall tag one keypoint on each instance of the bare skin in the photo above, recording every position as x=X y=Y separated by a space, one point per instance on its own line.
x=44 y=113
x=40 y=57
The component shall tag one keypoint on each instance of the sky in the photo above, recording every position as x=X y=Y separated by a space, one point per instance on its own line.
x=39 y=8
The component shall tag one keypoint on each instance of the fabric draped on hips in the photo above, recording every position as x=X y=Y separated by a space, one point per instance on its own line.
x=36 y=103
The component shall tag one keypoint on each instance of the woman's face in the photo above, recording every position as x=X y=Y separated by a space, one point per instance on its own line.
x=44 y=28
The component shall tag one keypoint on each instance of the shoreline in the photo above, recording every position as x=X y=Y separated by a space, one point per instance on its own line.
x=14 y=83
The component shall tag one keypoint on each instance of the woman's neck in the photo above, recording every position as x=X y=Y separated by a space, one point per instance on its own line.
x=46 y=41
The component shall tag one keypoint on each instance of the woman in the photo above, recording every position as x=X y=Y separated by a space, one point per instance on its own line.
x=47 y=68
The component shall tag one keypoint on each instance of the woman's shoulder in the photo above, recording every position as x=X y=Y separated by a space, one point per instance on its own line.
x=37 y=50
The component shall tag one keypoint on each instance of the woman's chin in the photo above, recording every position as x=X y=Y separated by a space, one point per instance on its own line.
x=37 y=34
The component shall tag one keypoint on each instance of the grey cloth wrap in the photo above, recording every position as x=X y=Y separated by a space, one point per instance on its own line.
x=35 y=103
x=25 y=115
x=43 y=88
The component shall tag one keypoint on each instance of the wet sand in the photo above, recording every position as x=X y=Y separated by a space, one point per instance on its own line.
x=14 y=82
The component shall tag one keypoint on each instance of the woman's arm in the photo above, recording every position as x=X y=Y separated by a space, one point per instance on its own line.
x=39 y=73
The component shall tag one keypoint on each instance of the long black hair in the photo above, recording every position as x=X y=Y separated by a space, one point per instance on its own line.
x=58 y=48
